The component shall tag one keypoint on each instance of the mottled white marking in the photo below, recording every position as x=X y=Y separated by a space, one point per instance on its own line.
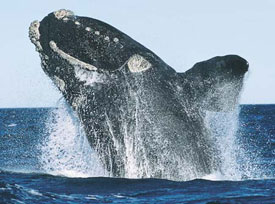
x=65 y=19
x=77 y=101
x=107 y=38
x=63 y=13
x=97 y=32
x=59 y=83
x=89 y=77
x=137 y=63
x=34 y=29
x=115 y=40
x=88 y=29
x=35 y=35
x=76 y=23
x=43 y=62
x=73 y=61
x=43 y=57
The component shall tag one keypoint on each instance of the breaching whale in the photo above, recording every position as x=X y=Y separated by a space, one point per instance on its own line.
x=142 y=117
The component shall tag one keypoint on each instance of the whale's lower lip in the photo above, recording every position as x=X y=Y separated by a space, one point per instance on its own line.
x=70 y=59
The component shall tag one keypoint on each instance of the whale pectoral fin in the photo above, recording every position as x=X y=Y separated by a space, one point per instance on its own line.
x=216 y=84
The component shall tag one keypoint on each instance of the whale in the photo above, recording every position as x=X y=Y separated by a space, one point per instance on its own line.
x=143 y=118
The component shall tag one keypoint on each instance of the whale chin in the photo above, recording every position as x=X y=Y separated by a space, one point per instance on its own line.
x=141 y=116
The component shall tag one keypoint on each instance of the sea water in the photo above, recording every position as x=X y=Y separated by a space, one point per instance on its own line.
x=45 y=158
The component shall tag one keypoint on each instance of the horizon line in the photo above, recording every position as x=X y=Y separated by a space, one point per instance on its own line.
x=37 y=107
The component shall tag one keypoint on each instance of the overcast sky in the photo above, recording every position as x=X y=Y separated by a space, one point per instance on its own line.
x=181 y=32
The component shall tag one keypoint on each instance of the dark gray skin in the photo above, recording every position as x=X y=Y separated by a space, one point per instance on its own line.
x=146 y=102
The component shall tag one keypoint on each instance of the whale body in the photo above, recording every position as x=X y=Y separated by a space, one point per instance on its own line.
x=142 y=117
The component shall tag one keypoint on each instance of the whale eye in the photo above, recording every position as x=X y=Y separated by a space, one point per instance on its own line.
x=137 y=63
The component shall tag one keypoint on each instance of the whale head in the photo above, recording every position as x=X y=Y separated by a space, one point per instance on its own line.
x=79 y=51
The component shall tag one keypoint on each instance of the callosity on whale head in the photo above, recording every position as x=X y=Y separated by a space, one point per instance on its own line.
x=142 y=117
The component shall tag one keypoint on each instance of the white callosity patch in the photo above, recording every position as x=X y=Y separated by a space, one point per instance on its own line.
x=65 y=19
x=73 y=61
x=88 y=29
x=59 y=83
x=137 y=63
x=44 y=58
x=35 y=35
x=76 y=23
x=97 y=32
x=63 y=13
x=89 y=77
x=107 y=38
x=115 y=40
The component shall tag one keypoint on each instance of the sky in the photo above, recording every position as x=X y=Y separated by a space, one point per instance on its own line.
x=181 y=32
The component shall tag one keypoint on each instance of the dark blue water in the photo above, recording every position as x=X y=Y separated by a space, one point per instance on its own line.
x=23 y=178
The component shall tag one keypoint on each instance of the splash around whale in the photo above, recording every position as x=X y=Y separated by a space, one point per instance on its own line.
x=142 y=117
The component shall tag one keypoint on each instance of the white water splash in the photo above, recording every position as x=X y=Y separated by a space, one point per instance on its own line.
x=236 y=162
x=66 y=151
x=89 y=77
x=223 y=127
x=12 y=125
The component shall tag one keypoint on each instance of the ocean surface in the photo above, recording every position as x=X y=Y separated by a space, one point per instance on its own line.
x=45 y=158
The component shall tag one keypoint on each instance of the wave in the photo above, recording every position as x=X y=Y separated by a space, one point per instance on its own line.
x=65 y=150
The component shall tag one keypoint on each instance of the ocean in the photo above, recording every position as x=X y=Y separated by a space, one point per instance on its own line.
x=45 y=158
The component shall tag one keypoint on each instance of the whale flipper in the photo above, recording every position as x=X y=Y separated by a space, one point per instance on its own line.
x=142 y=117
x=215 y=84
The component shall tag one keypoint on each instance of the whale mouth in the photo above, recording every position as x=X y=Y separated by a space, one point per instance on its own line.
x=83 y=72
x=35 y=37
x=82 y=42
x=72 y=60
